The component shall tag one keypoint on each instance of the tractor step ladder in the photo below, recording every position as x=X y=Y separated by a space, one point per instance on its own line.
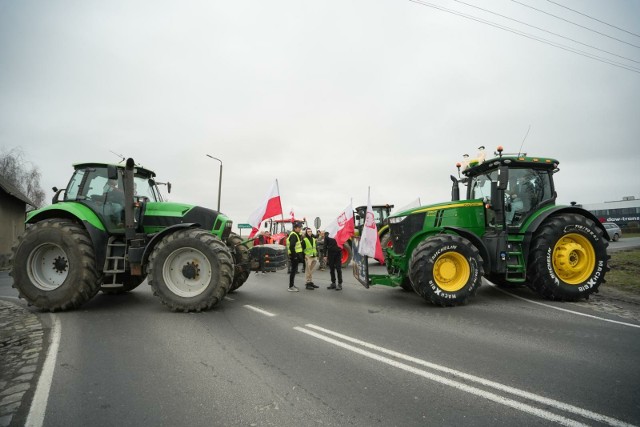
x=114 y=263
x=516 y=272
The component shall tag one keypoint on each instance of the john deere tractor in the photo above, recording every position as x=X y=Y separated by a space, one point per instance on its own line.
x=111 y=230
x=509 y=229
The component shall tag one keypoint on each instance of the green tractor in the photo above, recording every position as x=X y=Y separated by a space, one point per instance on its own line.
x=112 y=230
x=509 y=230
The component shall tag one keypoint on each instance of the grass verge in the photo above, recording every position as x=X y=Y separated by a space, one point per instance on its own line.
x=625 y=271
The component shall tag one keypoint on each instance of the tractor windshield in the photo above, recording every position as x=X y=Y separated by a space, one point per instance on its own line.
x=92 y=187
x=481 y=186
x=526 y=191
x=145 y=187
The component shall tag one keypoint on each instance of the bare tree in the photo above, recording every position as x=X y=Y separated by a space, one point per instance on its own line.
x=17 y=171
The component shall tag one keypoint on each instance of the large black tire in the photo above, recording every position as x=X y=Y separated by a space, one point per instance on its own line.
x=446 y=270
x=242 y=261
x=128 y=281
x=347 y=253
x=190 y=270
x=54 y=265
x=568 y=258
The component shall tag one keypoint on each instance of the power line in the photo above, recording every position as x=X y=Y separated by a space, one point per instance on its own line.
x=532 y=37
x=577 y=25
x=547 y=31
x=595 y=19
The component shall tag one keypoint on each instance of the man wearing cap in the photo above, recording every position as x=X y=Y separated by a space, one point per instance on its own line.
x=294 y=248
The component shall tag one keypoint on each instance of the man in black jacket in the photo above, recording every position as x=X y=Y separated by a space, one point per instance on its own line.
x=294 y=247
x=333 y=256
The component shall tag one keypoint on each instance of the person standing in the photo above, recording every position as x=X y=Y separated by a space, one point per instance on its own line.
x=320 y=245
x=333 y=256
x=310 y=257
x=294 y=248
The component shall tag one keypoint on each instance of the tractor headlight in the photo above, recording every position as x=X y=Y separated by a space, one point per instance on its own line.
x=396 y=219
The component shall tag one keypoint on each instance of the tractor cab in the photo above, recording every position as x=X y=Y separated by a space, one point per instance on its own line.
x=101 y=187
x=512 y=188
x=380 y=215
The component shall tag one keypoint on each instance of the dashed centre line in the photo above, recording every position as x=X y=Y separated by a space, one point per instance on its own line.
x=259 y=310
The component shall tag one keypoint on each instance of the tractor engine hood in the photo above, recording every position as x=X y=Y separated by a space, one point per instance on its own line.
x=165 y=214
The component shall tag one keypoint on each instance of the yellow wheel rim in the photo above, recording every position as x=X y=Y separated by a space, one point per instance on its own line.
x=451 y=271
x=573 y=258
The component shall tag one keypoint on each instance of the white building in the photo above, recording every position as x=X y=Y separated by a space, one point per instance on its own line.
x=622 y=212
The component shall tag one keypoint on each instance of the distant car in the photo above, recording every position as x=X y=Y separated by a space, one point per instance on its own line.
x=613 y=230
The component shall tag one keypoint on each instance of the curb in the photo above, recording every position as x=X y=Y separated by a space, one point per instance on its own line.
x=21 y=343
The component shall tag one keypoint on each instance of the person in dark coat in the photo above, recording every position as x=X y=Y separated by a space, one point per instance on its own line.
x=333 y=257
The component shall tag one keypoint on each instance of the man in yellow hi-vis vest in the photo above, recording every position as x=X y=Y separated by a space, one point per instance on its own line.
x=294 y=248
x=310 y=256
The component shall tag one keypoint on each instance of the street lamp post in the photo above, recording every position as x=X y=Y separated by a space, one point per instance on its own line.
x=219 y=180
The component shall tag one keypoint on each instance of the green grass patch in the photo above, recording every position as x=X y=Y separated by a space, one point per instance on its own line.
x=625 y=271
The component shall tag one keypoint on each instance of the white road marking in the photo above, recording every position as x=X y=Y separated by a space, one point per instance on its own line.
x=564 y=309
x=259 y=310
x=469 y=389
x=41 y=396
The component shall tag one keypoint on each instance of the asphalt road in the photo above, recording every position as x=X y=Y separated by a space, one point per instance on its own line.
x=360 y=357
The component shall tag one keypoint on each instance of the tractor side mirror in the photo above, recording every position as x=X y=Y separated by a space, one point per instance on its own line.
x=169 y=187
x=112 y=172
x=503 y=177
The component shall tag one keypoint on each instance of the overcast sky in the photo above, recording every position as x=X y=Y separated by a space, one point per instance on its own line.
x=329 y=97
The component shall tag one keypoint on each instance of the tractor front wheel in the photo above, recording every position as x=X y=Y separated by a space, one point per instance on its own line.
x=190 y=270
x=446 y=270
x=54 y=265
x=568 y=258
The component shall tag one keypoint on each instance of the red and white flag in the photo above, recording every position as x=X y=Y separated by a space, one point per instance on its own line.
x=291 y=214
x=369 y=240
x=269 y=208
x=342 y=227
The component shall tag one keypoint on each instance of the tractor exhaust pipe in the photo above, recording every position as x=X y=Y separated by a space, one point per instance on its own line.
x=129 y=223
x=455 y=189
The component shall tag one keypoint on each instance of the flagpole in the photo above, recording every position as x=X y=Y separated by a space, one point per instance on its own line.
x=281 y=212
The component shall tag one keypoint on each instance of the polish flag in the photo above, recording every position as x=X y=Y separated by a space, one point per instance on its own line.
x=370 y=241
x=269 y=208
x=291 y=214
x=342 y=227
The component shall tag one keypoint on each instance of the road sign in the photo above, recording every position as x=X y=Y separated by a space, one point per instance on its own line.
x=241 y=226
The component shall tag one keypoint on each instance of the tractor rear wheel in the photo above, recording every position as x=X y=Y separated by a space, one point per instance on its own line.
x=54 y=265
x=242 y=267
x=347 y=253
x=568 y=258
x=446 y=270
x=190 y=270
